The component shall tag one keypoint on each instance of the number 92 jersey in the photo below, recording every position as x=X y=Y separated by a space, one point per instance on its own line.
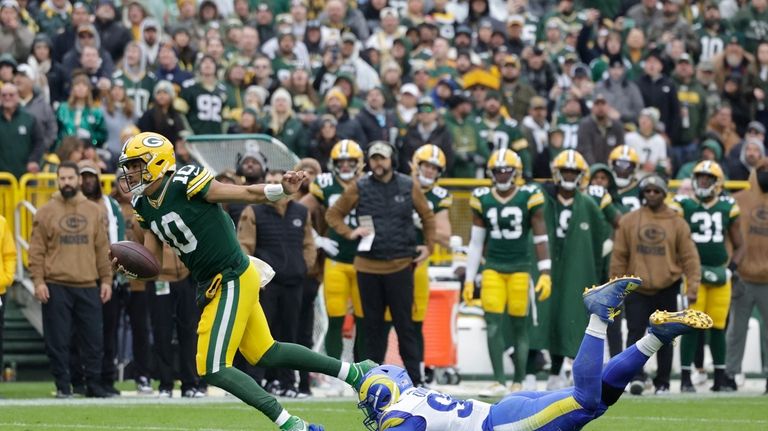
x=420 y=409
x=200 y=232
x=709 y=225
x=507 y=247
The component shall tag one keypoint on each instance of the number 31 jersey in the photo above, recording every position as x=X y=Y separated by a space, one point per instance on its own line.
x=200 y=232
x=709 y=225
x=420 y=409
x=507 y=224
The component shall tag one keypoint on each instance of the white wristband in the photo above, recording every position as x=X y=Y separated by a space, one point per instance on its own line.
x=538 y=239
x=274 y=192
x=544 y=265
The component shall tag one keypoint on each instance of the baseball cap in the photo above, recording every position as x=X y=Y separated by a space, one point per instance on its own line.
x=26 y=70
x=381 y=148
x=656 y=181
x=538 y=102
x=515 y=20
x=756 y=126
x=348 y=37
x=411 y=89
x=706 y=66
x=426 y=104
x=388 y=12
x=684 y=58
x=87 y=166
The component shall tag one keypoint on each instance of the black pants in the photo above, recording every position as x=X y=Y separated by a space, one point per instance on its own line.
x=282 y=308
x=175 y=310
x=111 y=312
x=377 y=291
x=304 y=336
x=639 y=308
x=73 y=310
x=138 y=313
x=614 y=336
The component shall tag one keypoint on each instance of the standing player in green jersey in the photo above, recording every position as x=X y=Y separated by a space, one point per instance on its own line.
x=427 y=165
x=578 y=235
x=339 y=276
x=181 y=208
x=623 y=161
x=508 y=213
x=206 y=98
x=133 y=74
x=711 y=216
x=500 y=132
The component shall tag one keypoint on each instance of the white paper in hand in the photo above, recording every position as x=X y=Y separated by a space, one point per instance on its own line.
x=367 y=241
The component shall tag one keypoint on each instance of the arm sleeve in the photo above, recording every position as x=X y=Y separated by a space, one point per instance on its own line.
x=427 y=216
x=476 y=242
x=38 y=248
x=8 y=255
x=310 y=252
x=101 y=242
x=688 y=255
x=246 y=231
x=336 y=213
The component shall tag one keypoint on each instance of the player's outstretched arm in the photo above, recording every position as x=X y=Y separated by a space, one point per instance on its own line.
x=256 y=193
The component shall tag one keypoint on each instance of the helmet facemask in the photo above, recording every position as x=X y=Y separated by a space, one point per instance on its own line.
x=503 y=178
x=427 y=180
x=623 y=171
x=704 y=191
x=346 y=175
x=135 y=181
x=568 y=185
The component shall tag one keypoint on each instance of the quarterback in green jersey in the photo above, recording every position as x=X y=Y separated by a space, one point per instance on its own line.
x=711 y=216
x=503 y=218
x=339 y=275
x=181 y=207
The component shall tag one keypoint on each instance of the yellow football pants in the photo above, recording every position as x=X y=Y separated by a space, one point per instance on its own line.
x=500 y=291
x=420 y=292
x=232 y=320
x=714 y=300
x=339 y=285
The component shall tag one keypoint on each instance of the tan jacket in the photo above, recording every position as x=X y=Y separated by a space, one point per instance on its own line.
x=753 y=202
x=246 y=234
x=69 y=243
x=656 y=247
x=7 y=255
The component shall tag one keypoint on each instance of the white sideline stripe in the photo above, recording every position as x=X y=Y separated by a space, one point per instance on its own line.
x=687 y=419
x=222 y=335
x=36 y=425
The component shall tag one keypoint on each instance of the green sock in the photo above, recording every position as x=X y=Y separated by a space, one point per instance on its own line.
x=519 y=337
x=717 y=346
x=688 y=348
x=419 y=339
x=333 y=344
x=494 y=323
x=246 y=389
x=358 y=350
x=300 y=358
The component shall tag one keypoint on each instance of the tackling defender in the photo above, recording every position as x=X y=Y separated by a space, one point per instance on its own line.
x=508 y=213
x=391 y=403
x=181 y=208
x=711 y=216
x=339 y=277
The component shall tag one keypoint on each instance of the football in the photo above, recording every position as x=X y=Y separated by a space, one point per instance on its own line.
x=137 y=260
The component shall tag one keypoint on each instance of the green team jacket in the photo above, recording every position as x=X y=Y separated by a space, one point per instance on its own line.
x=92 y=120
x=575 y=265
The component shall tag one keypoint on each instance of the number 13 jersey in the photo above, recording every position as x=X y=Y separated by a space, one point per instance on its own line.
x=200 y=232
x=420 y=409
x=507 y=224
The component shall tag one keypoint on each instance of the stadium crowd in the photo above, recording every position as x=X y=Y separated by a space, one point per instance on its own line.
x=611 y=99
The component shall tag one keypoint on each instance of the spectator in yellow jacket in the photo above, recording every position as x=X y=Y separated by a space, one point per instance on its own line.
x=7 y=269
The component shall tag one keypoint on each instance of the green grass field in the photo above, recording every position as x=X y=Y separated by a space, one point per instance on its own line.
x=40 y=412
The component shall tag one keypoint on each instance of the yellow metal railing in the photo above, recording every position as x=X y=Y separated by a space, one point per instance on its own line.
x=9 y=188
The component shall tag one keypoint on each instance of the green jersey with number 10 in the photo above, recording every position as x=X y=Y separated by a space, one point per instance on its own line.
x=200 y=232
x=508 y=224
